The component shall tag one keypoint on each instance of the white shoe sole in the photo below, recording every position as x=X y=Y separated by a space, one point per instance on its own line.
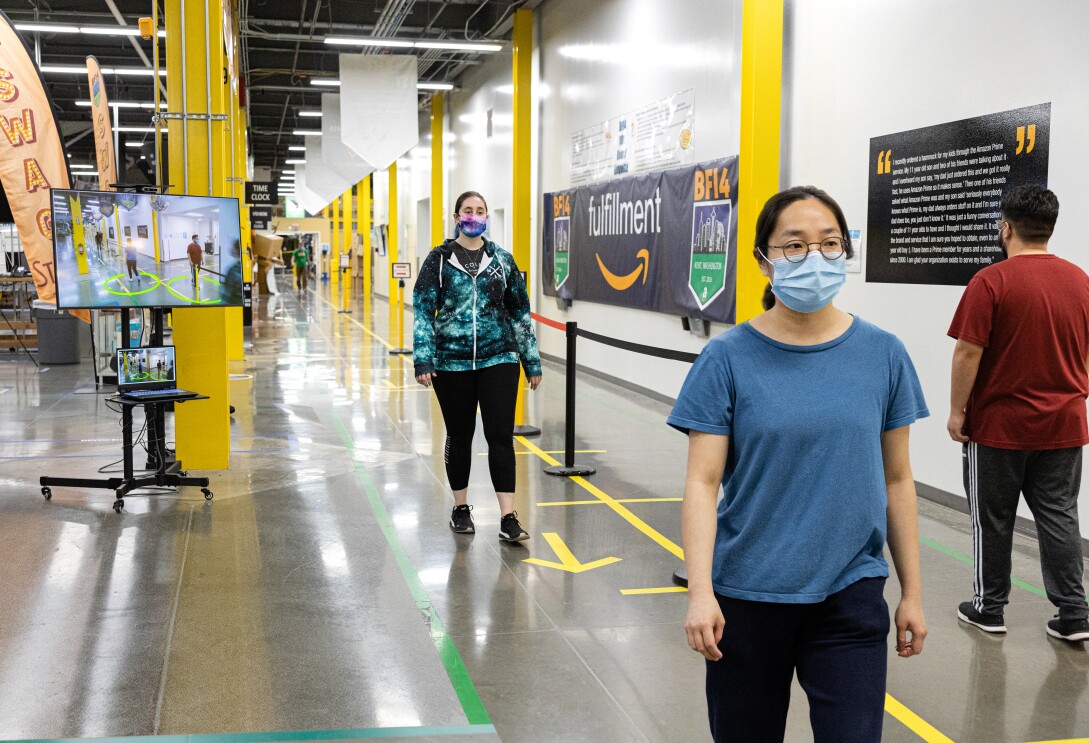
x=513 y=540
x=993 y=629
x=1076 y=637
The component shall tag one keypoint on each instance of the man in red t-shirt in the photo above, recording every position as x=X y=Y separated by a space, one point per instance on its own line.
x=1017 y=404
x=196 y=257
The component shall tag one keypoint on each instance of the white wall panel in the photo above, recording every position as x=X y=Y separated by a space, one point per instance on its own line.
x=860 y=69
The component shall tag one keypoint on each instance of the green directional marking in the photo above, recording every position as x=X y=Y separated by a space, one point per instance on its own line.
x=448 y=653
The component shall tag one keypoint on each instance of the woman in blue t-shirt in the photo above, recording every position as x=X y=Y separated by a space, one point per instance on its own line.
x=802 y=416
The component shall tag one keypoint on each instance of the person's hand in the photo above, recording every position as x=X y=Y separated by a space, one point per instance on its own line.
x=955 y=426
x=910 y=621
x=534 y=381
x=425 y=379
x=703 y=625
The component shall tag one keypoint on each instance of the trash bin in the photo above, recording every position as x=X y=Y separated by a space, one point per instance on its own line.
x=58 y=337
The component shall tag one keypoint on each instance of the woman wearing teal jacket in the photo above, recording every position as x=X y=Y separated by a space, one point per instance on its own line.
x=472 y=327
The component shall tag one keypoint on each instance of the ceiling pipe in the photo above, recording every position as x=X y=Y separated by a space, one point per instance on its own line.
x=132 y=39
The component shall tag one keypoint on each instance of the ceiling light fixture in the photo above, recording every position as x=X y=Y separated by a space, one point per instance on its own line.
x=307 y=132
x=460 y=46
x=76 y=70
x=297 y=148
x=120 y=104
x=301 y=161
x=79 y=166
x=326 y=81
x=313 y=114
x=333 y=82
x=434 y=86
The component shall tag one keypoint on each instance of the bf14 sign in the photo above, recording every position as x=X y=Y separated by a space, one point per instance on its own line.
x=665 y=242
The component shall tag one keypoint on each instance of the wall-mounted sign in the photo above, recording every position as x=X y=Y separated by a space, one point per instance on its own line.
x=260 y=217
x=262 y=192
x=935 y=194
x=401 y=270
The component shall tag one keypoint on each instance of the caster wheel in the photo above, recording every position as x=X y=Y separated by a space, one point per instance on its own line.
x=118 y=505
x=207 y=493
x=47 y=493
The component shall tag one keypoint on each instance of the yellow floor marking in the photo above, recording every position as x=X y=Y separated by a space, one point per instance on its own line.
x=611 y=502
x=366 y=330
x=618 y=500
x=578 y=451
x=568 y=561
x=646 y=591
x=913 y=722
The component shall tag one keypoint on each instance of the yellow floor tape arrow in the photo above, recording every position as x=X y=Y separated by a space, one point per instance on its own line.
x=568 y=561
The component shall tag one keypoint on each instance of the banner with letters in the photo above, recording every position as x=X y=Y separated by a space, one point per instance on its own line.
x=664 y=242
x=32 y=157
x=100 y=117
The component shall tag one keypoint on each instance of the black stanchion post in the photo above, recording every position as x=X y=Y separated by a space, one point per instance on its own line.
x=569 y=468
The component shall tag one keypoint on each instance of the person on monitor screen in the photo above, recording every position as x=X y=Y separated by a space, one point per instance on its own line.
x=98 y=244
x=130 y=260
x=196 y=257
x=232 y=282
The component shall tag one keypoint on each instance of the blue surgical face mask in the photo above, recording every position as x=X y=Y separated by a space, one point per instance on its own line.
x=809 y=285
x=472 y=225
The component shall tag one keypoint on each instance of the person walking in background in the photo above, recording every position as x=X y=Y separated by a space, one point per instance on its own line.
x=196 y=257
x=471 y=328
x=301 y=258
x=130 y=259
x=1017 y=406
x=801 y=415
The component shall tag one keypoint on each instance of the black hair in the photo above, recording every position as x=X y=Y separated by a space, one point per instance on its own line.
x=467 y=195
x=1032 y=211
x=769 y=220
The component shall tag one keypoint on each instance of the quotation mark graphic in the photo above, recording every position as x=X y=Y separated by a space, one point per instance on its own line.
x=1021 y=139
x=884 y=162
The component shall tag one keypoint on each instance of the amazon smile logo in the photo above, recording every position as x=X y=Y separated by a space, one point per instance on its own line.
x=622 y=283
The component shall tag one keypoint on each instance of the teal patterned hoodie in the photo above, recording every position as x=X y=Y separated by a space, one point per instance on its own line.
x=462 y=322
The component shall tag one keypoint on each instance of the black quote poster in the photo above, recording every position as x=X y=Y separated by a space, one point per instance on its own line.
x=935 y=192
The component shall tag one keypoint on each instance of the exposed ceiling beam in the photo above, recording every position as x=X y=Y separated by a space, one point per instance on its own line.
x=135 y=44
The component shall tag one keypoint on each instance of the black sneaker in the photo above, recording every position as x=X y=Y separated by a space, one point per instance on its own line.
x=992 y=623
x=461 y=520
x=1071 y=630
x=510 y=530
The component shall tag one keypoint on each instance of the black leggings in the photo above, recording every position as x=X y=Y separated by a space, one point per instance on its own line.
x=495 y=389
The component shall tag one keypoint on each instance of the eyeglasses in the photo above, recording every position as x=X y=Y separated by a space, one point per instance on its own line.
x=797 y=251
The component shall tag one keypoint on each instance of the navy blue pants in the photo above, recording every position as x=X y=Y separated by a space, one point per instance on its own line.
x=838 y=648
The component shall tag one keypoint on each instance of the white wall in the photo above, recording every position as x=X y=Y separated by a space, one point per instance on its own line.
x=860 y=69
x=599 y=60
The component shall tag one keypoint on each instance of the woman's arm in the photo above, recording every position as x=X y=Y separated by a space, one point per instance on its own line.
x=903 y=536
x=699 y=522
x=425 y=302
x=516 y=298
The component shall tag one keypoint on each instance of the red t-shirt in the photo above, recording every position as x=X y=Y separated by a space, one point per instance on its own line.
x=1031 y=315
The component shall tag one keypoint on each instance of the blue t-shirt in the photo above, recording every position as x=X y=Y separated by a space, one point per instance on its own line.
x=803 y=512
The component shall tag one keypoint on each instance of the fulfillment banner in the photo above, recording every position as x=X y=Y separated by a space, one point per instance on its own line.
x=100 y=118
x=935 y=192
x=665 y=242
x=32 y=157
x=379 y=106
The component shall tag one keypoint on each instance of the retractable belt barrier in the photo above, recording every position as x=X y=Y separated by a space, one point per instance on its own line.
x=569 y=468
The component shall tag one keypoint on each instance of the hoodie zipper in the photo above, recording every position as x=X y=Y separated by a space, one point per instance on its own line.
x=474 y=323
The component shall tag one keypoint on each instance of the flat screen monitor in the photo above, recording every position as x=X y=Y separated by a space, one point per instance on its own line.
x=145 y=250
x=146 y=368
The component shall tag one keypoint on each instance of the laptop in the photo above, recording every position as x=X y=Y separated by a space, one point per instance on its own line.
x=149 y=374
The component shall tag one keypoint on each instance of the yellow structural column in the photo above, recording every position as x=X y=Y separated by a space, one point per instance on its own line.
x=194 y=68
x=334 y=253
x=365 y=231
x=396 y=293
x=235 y=333
x=521 y=202
x=758 y=163
x=346 y=250
x=438 y=198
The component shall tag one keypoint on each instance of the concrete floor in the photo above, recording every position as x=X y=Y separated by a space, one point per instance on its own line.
x=321 y=596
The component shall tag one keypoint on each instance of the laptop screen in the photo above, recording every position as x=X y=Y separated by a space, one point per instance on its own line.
x=150 y=368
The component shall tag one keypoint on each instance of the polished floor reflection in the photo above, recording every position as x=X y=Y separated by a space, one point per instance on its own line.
x=321 y=589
